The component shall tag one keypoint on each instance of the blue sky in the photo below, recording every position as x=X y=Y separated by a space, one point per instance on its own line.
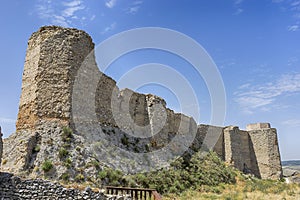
x=255 y=45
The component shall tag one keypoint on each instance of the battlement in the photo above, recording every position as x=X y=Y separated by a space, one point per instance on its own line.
x=257 y=126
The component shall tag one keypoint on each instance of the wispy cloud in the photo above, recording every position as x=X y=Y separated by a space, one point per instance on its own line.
x=238 y=11
x=293 y=28
x=134 y=10
x=135 y=6
x=72 y=3
x=292 y=122
x=109 y=28
x=295 y=3
x=292 y=61
x=4 y=120
x=277 y=1
x=110 y=3
x=237 y=6
x=71 y=8
x=253 y=97
x=293 y=7
x=63 y=13
x=237 y=2
x=228 y=63
x=93 y=17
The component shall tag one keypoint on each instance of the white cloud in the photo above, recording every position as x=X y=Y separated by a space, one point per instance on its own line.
x=292 y=61
x=293 y=28
x=69 y=12
x=238 y=11
x=135 y=6
x=111 y=3
x=236 y=2
x=137 y=2
x=60 y=13
x=297 y=15
x=277 y=1
x=134 y=10
x=59 y=20
x=44 y=9
x=292 y=122
x=4 y=120
x=295 y=3
x=293 y=8
x=72 y=3
x=93 y=17
x=253 y=97
x=109 y=28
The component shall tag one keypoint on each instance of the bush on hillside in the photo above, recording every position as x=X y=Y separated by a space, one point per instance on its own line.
x=180 y=176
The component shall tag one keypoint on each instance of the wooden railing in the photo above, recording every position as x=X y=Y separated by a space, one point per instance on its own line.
x=135 y=193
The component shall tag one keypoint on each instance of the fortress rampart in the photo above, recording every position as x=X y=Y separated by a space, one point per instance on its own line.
x=53 y=58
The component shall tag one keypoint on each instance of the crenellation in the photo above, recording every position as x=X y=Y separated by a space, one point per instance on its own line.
x=258 y=126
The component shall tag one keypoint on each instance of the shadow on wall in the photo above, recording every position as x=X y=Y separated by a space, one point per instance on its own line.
x=254 y=164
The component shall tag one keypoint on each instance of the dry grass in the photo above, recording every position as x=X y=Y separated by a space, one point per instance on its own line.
x=244 y=189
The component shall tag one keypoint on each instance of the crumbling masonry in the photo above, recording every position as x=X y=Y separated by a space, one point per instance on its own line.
x=53 y=58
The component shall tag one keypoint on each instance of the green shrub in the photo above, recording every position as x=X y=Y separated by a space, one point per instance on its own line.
x=68 y=163
x=66 y=145
x=112 y=177
x=124 y=141
x=67 y=134
x=102 y=174
x=181 y=176
x=47 y=165
x=36 y=149
x=78 y=149
x=96 y=164
x=79 y=178
x=65 y=176
x=62 y=153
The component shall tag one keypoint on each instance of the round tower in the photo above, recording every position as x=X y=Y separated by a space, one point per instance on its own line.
x=54 y=54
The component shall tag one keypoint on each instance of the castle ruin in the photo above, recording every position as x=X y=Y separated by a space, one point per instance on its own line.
x=53 y=60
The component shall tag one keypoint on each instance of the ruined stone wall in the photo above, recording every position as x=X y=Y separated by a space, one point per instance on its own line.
x=106 y=88
x=53 y=57
x=254 y=151
x=12 y=187
x=60 y=65
x=209 y=138
x=266 y=150
x=53 y=69
x=237 y=148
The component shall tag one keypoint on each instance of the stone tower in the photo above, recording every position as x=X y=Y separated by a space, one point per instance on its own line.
x=254 y=151
x=264 y=143
x=53 y=57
